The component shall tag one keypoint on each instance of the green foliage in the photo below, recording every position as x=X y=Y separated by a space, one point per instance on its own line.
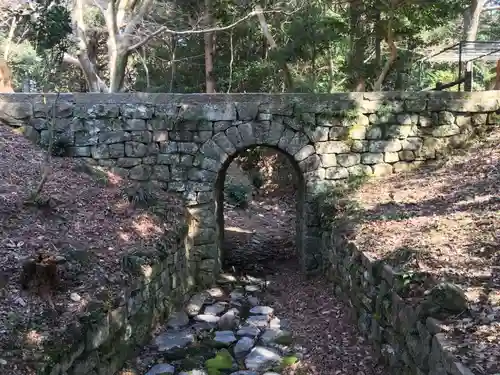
x=43 y=29
x=315 y=40
x=50 y=24
x=288 y=361
x=334 y=207
x=98 y=173
x=257 y=179
x=222 y=361
x=238 y=195
x=141 y=195
x=58 y=147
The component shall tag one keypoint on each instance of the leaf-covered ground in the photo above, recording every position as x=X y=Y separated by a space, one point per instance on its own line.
x=261 y=241
x=444 y=219
x=85 y=220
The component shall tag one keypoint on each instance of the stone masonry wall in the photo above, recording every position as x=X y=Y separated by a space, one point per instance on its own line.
x=186 y=142
x=404 y=335
x=99 y=342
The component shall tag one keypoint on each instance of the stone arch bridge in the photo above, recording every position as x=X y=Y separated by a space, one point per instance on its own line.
x=186 y=142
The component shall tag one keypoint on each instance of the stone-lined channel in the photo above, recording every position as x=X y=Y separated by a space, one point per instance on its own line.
x=223 y=330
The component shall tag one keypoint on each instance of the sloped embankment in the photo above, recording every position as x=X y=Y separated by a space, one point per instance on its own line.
x=84 y=223
x=441 y=223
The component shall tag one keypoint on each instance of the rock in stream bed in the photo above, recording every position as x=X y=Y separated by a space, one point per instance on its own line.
x=222 y=334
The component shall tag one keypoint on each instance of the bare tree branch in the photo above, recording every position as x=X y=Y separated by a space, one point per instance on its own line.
x=132 y=24
x=145 y=66
x=272 y=45
x=231 y=62
x=377 y=86
x=10 y=37
x=68 y=59
x=166 y=30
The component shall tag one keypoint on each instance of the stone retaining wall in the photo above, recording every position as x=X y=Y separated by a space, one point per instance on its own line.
x=186 y=142
x=401 y=330
x=108 y=334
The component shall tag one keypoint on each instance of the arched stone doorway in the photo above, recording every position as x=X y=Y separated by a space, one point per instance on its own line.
x=206 y=189
x=299 y=197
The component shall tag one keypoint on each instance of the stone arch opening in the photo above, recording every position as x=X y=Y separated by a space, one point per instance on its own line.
x=299 y=196
x=204 y=190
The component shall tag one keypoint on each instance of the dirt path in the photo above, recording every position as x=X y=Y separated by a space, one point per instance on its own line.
x=321 y=323
x=263 y=235
x=323 y=336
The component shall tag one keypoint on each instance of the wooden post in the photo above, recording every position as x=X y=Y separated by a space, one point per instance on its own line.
x=469 y=68
x=497 y=78
x=468 y=81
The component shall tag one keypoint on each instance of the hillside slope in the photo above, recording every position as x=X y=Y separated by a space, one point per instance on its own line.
x=83 y=221
x=443 y=221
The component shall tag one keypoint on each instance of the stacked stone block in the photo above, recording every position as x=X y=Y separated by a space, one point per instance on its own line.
x=101 y=340
x=404 y=336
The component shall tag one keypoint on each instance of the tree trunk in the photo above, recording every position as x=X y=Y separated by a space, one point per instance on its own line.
x=173 y=65
x=86 y=43
x=288 y=80
x=331 y=70
x=497 y=77
x=209 y=50
x=89 y=72
x=10 y=37
x=118 y=54
x=358 y=46
x=471 y=19
x=377 y=86
x=471 y=25
x=378 y=41
x=117 y=67
x=5 y=77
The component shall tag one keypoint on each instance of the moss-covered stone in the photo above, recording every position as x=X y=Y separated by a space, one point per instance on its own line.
x=222 y=361
x=289 y=361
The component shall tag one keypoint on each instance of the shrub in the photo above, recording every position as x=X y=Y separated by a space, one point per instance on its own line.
x=59 y=145
x=257 y=179
x=334 y=207
x=238 y=195
x=140 y=195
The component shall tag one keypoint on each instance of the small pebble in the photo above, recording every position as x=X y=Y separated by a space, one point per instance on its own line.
x=261 y=310
x=252 y=288
x=254 y=301
x=207 y=318
x=75 y=297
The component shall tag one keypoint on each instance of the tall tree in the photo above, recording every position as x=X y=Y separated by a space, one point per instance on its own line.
x=125 y=34
x=209 y=43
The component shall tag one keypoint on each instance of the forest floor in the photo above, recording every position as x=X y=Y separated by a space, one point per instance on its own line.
x=83 y=223
x=319 y=321
x=260 y=242
x=443 y=221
